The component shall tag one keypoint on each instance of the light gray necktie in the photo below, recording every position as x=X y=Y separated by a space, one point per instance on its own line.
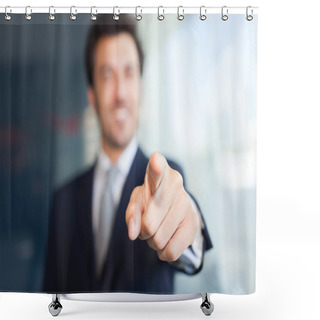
x=106 y=215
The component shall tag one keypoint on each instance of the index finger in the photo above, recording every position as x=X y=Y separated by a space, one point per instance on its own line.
x=155 y=172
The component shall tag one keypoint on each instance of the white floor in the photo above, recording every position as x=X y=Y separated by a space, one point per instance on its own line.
x=288 y=285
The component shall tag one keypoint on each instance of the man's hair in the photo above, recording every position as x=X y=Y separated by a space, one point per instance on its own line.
x=106 y=26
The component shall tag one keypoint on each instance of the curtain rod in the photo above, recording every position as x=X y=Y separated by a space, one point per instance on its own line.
x=118 y=10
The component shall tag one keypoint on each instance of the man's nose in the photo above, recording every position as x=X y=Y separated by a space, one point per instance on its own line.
x=121 y=89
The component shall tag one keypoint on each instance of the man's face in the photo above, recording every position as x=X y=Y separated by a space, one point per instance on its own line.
x=116 y=88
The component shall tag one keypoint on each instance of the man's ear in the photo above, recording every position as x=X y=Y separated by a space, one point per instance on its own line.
x=91 y=97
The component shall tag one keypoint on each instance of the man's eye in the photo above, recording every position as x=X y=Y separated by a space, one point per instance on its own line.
x=129 y=72
x=107 y=74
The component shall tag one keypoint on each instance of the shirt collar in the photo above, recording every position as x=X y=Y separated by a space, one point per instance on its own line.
x=125 y=160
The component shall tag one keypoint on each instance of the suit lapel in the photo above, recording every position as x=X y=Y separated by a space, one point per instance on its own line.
x=84 y=222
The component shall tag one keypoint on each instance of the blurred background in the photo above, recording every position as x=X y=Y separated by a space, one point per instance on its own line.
x=198 y=108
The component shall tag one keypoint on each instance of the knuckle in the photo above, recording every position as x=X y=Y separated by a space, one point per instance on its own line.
x=151 y=244
x=160 y=254
x=158 y=243
x=171 y=255
x=148 y=228
x=168 y=255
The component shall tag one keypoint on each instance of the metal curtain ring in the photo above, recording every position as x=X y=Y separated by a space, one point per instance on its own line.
x=160 y=16
x=138 y=16
x=73 y=13
x=116 y=16
x=203 y=13
x=93 y=16
x=7 y=10
x=224 y=13
x=249 y=16
x=180 y=13
x=52 y=11
x=28 y=13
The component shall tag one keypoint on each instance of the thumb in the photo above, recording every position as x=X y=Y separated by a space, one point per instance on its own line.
x=134 y=212
x=155 y=171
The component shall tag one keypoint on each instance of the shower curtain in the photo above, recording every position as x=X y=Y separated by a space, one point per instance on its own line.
x=172 y=104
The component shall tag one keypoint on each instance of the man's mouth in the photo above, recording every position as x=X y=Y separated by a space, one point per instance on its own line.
x=121 y=114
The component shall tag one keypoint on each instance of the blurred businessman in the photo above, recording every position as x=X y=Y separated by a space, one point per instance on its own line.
x=126 y=224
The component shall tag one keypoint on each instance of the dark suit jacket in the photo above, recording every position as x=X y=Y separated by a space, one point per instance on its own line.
x=130 y=266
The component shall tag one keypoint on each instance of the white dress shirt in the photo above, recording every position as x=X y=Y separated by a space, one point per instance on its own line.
x=192 y=256
x=99 y=179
